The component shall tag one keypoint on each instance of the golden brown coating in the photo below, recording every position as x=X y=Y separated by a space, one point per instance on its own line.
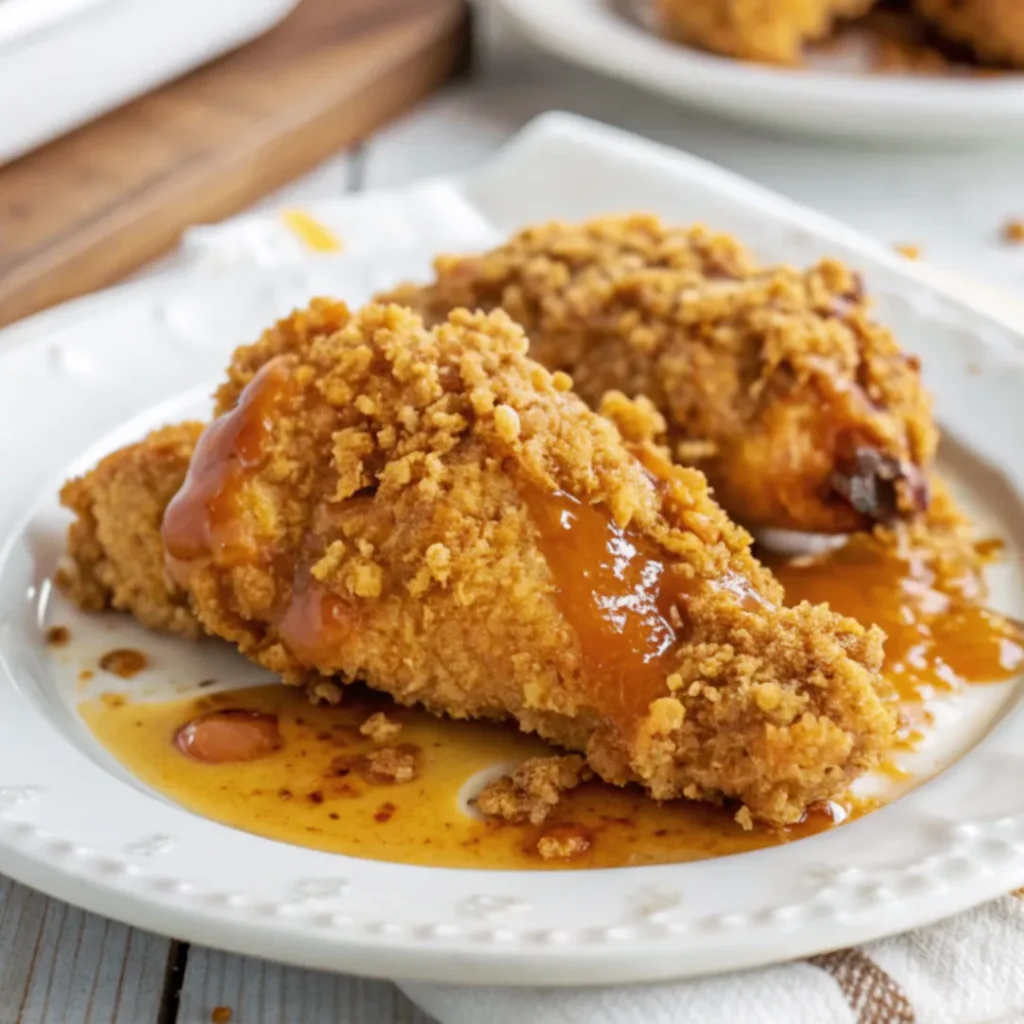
x=945 y=540
x=532 y=791
x=433 y=512
x=993 y=29
x=772 y=31
x=802 y=411
x=116 y=554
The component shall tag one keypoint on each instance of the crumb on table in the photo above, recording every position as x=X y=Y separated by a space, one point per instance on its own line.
x=221 y=1014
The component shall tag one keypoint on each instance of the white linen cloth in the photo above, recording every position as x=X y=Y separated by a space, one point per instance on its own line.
x=966 y=970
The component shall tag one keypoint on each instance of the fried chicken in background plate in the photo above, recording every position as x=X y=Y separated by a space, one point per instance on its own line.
x=802 y=411
x=433 y=512
x=774 y=31
x=993 y=29
x=116 y=556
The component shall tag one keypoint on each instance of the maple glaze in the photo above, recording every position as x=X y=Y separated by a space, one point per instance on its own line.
x=202 y=520
x=314 y=789
x=621 y=599
x=624 y=600
x=939 y=634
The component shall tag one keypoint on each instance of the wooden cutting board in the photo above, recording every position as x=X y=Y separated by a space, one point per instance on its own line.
x=90 y=207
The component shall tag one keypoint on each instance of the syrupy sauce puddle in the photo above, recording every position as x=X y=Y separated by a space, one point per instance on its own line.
x=306 y=786
x=267 y=761
x=940 y=636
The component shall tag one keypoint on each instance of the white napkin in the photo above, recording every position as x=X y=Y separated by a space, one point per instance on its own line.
x=967 y=970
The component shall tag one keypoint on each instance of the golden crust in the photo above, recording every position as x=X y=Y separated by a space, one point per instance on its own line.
x=803 y=412
x=993 y=29
x=773 y=31
x=114 y=546
x=394 y=485
x=531 y=792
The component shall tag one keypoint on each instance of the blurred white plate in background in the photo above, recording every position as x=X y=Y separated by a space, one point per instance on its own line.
x=827 y=99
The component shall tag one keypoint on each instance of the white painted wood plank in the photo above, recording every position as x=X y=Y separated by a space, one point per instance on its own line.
x=60 y=965
x=261 y=992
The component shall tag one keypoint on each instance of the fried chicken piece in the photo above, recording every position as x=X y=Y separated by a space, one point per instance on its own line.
x=532 y=791
x=434 y=513
x=116 y=553
x=993 y=29
x=772 y=31
x=116 y=556
x=803 y=412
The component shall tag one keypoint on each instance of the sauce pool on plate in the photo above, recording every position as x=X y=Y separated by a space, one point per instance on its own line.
x=265 y=760
x=305 y=774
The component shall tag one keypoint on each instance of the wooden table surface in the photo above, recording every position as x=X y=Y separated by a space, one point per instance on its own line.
x=59 y=965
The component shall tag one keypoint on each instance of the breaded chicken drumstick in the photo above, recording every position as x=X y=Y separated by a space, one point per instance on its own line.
x=764 y=30
x=433 y=512
x=801 y=410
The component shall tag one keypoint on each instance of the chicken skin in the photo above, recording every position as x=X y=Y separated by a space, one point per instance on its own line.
x=801 y=410
x=429 y=510
x=116 y=557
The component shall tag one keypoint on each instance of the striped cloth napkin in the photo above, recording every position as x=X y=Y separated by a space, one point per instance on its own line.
x=967 y=970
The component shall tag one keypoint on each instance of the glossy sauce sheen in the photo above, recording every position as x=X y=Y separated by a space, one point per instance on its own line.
x=205 y=520
x=309 y=790
x=202 y=520
x=940 y=636
x=620 y=598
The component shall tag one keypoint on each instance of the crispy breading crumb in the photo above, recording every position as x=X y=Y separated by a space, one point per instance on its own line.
x=638 y=419
x=744 y=819
x=506 y=421
x=562 y=847
x=533 y=790
x=1013 y=231
x=326 y=691
x=393 y=764
x=380 y=728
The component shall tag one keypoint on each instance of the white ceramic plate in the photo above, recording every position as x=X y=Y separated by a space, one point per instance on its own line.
x=83 y=378
x=828 y=98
